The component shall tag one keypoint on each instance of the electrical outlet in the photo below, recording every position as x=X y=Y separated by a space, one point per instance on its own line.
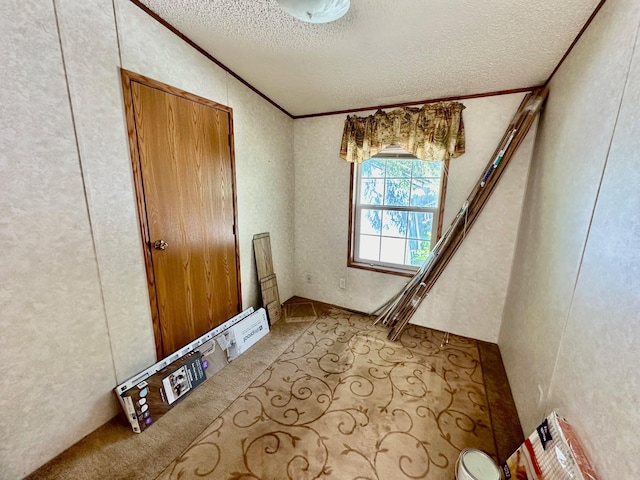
x=308 y=278
x=343 y=283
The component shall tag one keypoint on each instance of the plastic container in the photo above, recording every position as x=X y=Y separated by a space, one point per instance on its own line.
x=474 y=464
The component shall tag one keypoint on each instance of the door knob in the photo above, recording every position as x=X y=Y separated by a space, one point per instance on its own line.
x=160 y=245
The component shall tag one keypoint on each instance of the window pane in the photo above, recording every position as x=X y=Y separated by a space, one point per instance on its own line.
x=372 y=192
x=394 y=224
x=369 y=248
x=392 y=250
x=373 y=168
x=425 y=192
x=399 y=168
x=370 y=221
x=397 y=192
x=420 y=225
x=422 y=168
x=417 y=252
x=387 y=235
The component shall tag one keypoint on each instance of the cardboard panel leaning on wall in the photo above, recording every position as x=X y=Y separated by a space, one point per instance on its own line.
x=263 y=138
x=573 y=138
x=596 y=382
x=57 y=370
x=91 y=55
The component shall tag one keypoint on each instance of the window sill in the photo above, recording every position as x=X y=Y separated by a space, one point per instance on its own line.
x=380 y=269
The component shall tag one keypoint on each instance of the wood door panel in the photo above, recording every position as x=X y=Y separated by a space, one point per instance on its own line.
x=185 y=163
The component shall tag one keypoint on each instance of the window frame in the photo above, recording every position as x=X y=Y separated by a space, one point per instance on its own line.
x=354 y=208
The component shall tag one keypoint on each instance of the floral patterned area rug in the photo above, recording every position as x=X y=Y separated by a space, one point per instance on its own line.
x=343 y=402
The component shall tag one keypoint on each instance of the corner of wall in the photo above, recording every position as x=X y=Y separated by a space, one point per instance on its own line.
x=562 y=322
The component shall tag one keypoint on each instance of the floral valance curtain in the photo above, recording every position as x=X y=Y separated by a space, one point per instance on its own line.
x=433 y=132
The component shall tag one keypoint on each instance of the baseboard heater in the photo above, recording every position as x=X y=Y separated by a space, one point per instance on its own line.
x=148 y=395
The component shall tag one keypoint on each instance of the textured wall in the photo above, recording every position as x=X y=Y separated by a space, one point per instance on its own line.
x=468 y=299
x=90 y=47
x=74 y=296
x=56 y=365
x=264 y=162
x=571 y=320
x=263 y=139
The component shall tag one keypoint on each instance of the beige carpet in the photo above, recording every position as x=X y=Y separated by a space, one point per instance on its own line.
x=345 y=403
x=329 y=397
x=114 y=452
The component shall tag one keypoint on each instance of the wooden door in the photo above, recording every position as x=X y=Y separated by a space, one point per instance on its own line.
x=183 y=162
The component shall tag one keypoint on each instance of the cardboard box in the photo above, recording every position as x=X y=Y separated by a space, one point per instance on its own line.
x=150 y=394
x=246 y=333
x=552 y=452
x=214 y=357
x=152 y=398
x=133 y=381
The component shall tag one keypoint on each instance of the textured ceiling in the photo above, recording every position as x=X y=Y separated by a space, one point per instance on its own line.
x=382 y=51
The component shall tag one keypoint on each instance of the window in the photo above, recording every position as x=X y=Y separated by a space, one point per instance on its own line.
x=395 y=213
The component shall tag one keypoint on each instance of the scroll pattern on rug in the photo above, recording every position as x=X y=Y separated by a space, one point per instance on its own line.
x=343 y=402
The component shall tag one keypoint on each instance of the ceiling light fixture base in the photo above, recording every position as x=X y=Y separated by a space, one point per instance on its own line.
x=315 y=11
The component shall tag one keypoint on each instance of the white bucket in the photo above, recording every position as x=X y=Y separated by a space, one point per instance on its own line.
x=474 y=464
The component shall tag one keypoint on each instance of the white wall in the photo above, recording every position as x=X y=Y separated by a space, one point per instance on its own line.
x=55 y=353
x=91 y=57
x=73 y=301
x=571 y=322
x=469 y=297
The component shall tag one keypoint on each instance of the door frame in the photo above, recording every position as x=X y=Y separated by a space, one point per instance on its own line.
x=128 y=78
